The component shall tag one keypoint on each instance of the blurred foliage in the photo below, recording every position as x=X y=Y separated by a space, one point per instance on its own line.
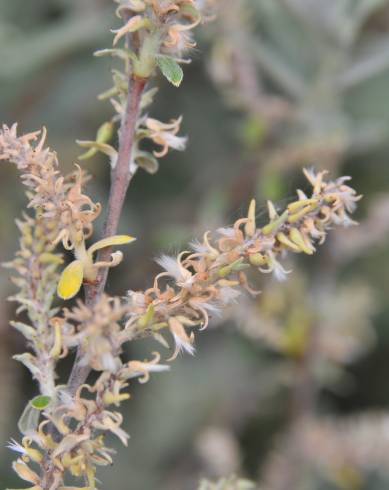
x=275 y=85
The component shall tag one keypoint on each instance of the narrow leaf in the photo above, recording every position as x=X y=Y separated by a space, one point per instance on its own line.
x=110 y=241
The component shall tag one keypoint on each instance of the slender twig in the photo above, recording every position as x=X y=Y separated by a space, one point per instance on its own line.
x=120 y=180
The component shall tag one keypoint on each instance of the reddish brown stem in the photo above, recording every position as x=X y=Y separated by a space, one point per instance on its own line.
x=120 y=180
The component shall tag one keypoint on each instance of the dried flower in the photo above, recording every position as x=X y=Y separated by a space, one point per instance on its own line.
x=204 y=281
x=59 y=200
x=165 y=135
x=195 y=285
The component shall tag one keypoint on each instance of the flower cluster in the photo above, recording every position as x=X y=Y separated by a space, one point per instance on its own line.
x=197 y=284
x=77 y=445
x=174 y=18
x=202 y=281
x=65 y=434
x=72 y=429
x=36 y=267
x=156 y=34
x=67 y=212
x=59 y=199
x=147 y=128
x=97 y=332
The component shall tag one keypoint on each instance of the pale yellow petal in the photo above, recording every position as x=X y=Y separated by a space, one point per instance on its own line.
x=70 y=280
x=111 y=240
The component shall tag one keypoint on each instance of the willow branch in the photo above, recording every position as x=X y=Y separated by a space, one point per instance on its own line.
x=120 y=180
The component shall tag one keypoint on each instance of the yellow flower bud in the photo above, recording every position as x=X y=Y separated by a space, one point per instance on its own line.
x=274 y=225
x=282 y=238
x=257 y=260
x=250 y=226
x=297 y=237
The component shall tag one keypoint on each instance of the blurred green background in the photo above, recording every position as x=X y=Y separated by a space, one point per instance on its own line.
x=275 y=85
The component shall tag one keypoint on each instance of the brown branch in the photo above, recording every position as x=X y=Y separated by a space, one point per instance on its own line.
x=120 y=180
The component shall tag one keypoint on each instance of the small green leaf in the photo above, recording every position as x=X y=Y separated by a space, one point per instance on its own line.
x=40 y=402
x=170 y=69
